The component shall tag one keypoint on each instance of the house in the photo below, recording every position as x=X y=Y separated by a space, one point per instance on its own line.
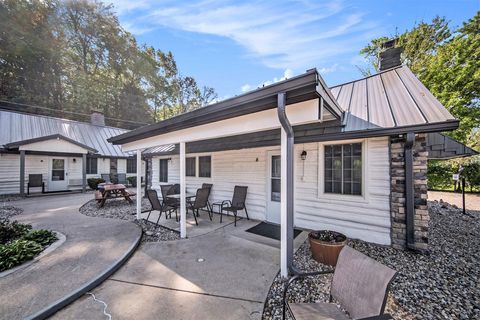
x=66 y=153
x=352 y=158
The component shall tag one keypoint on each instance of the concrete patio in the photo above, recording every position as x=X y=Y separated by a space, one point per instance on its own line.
x=220 y=273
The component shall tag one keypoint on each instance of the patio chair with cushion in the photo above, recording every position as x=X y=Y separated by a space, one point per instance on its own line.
x=157 y=206
x=360 y=285
x=237 y=203
x=122 y=178
x=106 y=177
x=200 y=202
x=35 y=181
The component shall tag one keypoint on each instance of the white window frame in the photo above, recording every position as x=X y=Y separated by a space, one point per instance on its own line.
x=197 y=165
x=321 y=172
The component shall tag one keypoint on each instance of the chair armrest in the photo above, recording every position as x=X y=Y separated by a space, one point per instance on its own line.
x=225 y=202
x=298 y=275
x=380 y=317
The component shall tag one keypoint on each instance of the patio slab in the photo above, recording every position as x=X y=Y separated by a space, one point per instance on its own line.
x=91 y=246
x=217 y=275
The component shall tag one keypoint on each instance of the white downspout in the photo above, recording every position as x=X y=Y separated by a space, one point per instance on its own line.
x=139 y=183
x=183 y=200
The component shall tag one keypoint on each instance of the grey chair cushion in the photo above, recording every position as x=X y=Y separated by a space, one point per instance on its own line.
x=316 y=311
x=360 y=283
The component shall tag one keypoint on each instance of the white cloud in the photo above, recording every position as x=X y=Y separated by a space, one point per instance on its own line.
x=246 y=87
x=288 y=73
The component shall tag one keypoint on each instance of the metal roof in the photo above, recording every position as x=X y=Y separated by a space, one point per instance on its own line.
x=16 y=127
x=17 y=144
x=393 y=98
x=440 y=146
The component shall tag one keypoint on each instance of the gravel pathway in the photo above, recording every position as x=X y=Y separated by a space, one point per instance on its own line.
x=6 y=212
x=121 y=209
x=442 y=285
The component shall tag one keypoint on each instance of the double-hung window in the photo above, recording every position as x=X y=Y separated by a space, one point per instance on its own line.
x=343 y=169
x=205 y=166
x=190 y=167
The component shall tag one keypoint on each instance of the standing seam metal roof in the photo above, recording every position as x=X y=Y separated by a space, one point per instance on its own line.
x=16 y=127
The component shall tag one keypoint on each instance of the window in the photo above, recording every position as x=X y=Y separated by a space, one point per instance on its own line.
x=92 y=165
x=132 y=165
x=190 y=167
x=163 y=171
x=343 y=169
x=205 y=166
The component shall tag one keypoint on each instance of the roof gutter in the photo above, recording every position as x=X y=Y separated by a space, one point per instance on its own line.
x=287 y=127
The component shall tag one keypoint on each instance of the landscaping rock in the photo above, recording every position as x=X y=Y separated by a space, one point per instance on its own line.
x=6 y=212
x=121 y=209
x=440 y=285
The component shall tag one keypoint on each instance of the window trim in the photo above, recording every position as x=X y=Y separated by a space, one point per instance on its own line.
x=159 y=170
x=321 y=173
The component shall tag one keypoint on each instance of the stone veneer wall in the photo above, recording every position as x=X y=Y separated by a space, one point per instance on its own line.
x=397 y=176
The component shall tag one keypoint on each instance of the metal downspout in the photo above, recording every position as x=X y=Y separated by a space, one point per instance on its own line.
x=282 y=117
x=409 y=190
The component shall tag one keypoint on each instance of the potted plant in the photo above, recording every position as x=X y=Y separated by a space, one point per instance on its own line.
x=326 y=245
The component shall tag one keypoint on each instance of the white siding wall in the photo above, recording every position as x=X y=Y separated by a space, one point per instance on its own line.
x=366 y=217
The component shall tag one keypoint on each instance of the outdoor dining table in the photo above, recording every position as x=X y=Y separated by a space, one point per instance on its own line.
x=111 y=191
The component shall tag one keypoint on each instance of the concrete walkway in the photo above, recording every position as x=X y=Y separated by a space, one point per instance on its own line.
x=92 y=245
x=224 y=274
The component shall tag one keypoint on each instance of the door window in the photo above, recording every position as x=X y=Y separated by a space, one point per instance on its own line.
x=58 y=169
x=275 y=179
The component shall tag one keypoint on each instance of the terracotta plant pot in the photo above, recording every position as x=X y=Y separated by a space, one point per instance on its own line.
x=326 y=245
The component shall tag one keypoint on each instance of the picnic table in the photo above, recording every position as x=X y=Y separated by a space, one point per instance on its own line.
x=112 y=191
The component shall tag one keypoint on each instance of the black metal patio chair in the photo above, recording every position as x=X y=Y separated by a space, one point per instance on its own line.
x=122 y=178
x=360 y=285
x=157 y=206
x=237 y=203
x=200 y=202
x=166 y=190
x=209 y=205
x=35 y=181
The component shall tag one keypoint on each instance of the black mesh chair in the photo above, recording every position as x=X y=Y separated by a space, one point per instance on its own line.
x=121 y=178
x=200 y=202
x=237 y=203
x=166 y=190
x=209 y=205
x=106 y=177
x=157 y=206
x=35 y=181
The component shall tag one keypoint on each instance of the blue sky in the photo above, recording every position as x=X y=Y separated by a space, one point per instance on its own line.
x=236 y=46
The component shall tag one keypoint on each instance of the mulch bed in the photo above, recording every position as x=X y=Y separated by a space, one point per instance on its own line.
x=441 y=285
x=121 y=209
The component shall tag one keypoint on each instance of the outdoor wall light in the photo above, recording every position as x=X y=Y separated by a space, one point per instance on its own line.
x=74 y=160
x=303 y=156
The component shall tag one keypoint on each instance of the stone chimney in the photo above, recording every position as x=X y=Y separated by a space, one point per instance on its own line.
x=97 y=118
x=391 y=56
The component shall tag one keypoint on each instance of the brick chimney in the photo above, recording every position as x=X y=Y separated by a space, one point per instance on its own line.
x=97 y=118
x=391 y=56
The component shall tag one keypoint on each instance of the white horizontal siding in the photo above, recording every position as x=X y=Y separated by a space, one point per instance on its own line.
x=366 y=218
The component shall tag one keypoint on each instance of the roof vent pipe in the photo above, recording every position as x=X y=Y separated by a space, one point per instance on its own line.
x=97 y=118
x=390 y=57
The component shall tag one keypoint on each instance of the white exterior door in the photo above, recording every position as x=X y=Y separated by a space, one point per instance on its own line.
x=273 y=187
x=58 y=174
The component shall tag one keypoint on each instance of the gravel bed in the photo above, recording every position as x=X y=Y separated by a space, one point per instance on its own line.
x=441 y=285
x=6 y=212
x=121 y=209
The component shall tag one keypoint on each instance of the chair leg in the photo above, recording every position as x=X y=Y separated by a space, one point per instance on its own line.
x=195 y=216
x=148 y=214
x=235 y=218
x=221 y=215
x=246 y=212
x=159 y=216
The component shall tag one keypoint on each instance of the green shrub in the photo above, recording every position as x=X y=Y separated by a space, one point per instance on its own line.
x=17 y=252
x=42 y=237
x=439 y=174
x=93 y=182
x=132 y=181
x=10 y=231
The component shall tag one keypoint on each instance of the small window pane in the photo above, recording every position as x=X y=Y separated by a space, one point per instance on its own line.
x=205 y=166
x=357 y=149
x=357 y=188
x=190 y=167
x=347 y=187
x=337 y=150
x=328 y=151
x=275 y=196
x=163 y=171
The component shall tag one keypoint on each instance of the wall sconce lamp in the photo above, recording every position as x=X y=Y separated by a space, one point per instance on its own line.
x=74 y=160
x=303 y=156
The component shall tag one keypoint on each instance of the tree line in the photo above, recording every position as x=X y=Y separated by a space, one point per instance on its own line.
x=75 y=57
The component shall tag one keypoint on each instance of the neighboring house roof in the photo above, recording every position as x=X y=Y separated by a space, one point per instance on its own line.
x=440 y=146
x=393 y=98
x=17 y=127
x=304 y=87
x=50 y=137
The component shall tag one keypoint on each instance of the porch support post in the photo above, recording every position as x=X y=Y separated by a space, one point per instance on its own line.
x=139 y=183
x=183 y=200
x=22 y=173
x=409 y=194
x=84 y=173
x=287 y=189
